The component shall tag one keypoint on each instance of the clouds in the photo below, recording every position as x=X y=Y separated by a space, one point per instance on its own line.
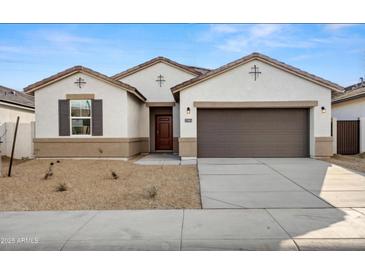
x=337 y=27
x=224 y=28
x=248 y=38
x=264 y=30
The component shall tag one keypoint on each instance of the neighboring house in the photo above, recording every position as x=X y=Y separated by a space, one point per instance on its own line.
x=253 y=107
x=13 y=104
x=350 y=106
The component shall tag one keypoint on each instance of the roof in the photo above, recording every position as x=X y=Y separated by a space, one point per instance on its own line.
x=17 y=98
x=265 y=59
x=76 y=69
x=190 y=69
x=354 y=86
x=350 y=95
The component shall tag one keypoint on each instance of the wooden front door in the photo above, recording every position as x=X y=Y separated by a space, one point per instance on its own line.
x=163 y=132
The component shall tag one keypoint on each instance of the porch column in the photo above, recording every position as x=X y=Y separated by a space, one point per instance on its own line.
x=334 y=135
x=362 y=134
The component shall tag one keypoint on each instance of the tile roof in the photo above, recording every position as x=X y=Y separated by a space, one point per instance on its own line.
x=262 y=57
x=193 y=70
x=14 y=97
x=33 y=87
x=350 y=95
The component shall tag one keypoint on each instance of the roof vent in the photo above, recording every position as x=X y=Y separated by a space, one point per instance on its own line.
x=362 y=82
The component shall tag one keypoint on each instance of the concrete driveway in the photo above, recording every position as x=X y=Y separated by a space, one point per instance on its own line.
x=278 y=183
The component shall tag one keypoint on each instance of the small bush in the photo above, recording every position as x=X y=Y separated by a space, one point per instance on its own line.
x=152 y=192
x=49 y=172
x=61 y=187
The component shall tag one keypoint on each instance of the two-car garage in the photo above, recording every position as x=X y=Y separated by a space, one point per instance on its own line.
x=230 y=113
x=253 y=132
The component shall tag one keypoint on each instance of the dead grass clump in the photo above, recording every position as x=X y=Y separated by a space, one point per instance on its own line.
x=151 y=192
x=114 y=175
x=61 y=187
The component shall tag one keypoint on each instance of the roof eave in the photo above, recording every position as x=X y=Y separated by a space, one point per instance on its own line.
x=152 y=62
x=79 y=69
x=244 y=60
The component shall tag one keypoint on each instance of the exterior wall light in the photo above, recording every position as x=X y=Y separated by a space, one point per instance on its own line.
x=323 y=109
x=187 y=110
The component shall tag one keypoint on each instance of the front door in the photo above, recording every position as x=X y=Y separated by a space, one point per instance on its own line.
x=163 y=132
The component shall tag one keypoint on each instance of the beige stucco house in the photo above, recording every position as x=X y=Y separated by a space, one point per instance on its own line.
x=253 y=107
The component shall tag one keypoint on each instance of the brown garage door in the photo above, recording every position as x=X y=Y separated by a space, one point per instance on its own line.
x=253 y=133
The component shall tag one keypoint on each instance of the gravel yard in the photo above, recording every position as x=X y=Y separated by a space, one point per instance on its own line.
x=354 y=162
x=89 y=184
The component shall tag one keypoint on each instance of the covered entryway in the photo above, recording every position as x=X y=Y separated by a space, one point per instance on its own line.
x=253 y=132
x=161 y=129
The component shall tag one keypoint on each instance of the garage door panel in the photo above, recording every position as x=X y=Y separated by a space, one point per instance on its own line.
x=253 y=133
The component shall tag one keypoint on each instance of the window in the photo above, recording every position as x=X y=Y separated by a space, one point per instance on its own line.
x=80 y=117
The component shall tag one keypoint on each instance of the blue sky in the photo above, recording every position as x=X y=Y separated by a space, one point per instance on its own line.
x=31 y=52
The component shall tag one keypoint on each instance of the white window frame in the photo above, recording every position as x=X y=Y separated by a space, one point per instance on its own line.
x=87 y=117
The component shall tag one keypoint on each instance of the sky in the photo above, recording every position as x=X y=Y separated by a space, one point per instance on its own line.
x=31 y=52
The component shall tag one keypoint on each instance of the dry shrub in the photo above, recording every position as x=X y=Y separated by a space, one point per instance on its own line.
x=49 y=172
x=151 y=192
x=61 y=187
x=115 y=175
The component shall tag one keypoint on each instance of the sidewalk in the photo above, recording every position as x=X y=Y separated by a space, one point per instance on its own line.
x=220 y=229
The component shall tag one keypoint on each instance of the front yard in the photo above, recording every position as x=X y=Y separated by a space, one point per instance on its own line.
x=90 y=184
x=354 y=162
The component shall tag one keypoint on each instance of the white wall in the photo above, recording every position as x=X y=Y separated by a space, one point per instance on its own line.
x=138 y=118
x=9 y=114
x=272 y=85
x=349 y=110
x=24 y=139
x=145 y=81
x=24 y=144
x=115 y=122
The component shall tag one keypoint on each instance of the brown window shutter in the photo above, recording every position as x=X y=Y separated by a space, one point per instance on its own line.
x=64 y=117
x=97 y=117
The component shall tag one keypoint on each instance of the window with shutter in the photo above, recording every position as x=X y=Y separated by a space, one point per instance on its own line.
x=81 y=116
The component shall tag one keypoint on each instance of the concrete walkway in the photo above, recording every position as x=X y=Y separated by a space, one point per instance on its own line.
x=163 y=159
x=278 y=183
x=222 y=229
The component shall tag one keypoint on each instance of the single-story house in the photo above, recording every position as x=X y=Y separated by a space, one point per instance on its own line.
x=13 y=104
x=255 y=106
x=350 y=106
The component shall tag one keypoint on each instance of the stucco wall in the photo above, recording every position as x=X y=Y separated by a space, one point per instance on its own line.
x=272 y=85
x=9 y=114
x=24 y=144
x=145 y=81
x=115 y=118
x=136 y=117
x=349 y=110
x=24 y=139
